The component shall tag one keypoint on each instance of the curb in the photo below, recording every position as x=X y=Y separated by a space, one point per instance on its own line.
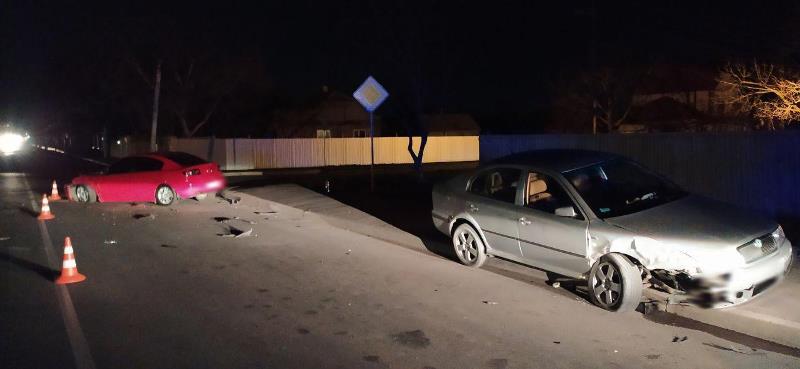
x=737 y=319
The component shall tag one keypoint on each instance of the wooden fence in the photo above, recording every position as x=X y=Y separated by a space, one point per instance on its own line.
x=244 y=154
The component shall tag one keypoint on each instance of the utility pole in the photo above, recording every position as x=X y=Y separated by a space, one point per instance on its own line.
x=156 y=93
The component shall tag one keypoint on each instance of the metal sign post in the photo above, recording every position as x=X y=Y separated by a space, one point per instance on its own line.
x=371 y=154
x=371 y=95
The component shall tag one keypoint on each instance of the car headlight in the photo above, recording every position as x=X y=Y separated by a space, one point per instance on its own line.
x=10 y=143
x=779 y=236
x=762 y=246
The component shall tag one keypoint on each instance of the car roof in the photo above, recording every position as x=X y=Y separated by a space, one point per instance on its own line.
x=173 y=157
x=558 y=160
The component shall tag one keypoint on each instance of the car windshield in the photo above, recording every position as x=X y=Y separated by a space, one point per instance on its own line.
x=620 y=187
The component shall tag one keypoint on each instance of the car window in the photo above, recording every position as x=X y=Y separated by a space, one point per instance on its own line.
x=122 y=166
x=183 y=159
x=135 y=164
x=498 y=183
x=620 y=187
x=545 y=194
x=147 y=165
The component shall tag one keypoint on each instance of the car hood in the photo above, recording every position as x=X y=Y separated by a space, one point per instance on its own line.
x=697 y=221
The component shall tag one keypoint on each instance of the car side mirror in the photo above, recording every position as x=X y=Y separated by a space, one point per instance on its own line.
x=567 y=212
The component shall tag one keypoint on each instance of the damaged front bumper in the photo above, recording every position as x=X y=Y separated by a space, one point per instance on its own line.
x=726 y=289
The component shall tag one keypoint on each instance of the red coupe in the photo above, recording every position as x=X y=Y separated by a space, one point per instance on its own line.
x=159 y=177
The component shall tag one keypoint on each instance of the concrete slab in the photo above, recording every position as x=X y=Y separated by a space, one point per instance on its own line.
x=337 y=214
x=772 y=316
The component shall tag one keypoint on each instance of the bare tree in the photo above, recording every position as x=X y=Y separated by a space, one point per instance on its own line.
x=602 y=97
x=420 y=57
x=612 y=95
x=196 y=97
x=767 y=92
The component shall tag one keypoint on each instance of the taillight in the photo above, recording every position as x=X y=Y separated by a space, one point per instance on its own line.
x=192 y=172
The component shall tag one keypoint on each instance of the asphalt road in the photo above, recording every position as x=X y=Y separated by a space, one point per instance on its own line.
x=165 y=290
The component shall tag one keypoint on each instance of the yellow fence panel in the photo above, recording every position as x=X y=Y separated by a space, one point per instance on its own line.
x=245 y=154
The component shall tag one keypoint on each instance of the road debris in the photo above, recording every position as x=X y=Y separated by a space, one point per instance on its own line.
x=221 y=219
x=110 y=242
x=556 y=284
x=487 y=302
x=348 y=252
x=733 y=349
x=244 y=220
x=265 y=212
x=169 y=246
x=233 y=200
x=234 y=232
x=679 y=339
x=5 y=238
x=142 y=216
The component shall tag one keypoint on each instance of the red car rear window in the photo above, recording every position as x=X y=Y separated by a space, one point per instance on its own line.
x=183 y=159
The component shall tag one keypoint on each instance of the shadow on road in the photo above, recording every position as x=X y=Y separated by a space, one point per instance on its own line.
x=28 y=211
x=43 y=271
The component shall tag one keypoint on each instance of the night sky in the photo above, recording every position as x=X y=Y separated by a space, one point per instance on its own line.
x=486 y=58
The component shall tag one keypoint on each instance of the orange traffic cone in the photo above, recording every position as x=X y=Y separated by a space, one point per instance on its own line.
x=45 y=214
x=54 y=193
x=69 y=268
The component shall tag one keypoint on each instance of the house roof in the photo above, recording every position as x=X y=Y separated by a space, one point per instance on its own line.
x=451 y=122
x=664 y=109
x=677 y=78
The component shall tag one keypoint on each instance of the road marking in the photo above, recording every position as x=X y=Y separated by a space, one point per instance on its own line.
x=77 y=340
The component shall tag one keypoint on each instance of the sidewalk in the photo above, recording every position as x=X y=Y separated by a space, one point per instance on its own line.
x=773 y=316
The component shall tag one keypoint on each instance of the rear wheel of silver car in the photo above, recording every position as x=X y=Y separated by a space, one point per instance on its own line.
x=164 y=195
x=84 y=194
x=468 y=246
x=615 y=284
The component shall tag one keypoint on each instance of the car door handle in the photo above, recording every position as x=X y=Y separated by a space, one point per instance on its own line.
x=473 y=208
x=524 y=221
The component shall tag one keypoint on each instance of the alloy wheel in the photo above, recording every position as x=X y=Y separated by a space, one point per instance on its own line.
x=607 y=285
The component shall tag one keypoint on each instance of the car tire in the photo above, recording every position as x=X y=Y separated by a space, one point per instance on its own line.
x=468 y=246
x=85 y=194
x=164 y=195
x=615 y=283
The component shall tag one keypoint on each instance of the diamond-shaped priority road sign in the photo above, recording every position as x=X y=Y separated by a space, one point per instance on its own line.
x=370 y=94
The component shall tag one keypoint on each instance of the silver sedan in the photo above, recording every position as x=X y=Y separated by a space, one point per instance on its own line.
x=616 y=225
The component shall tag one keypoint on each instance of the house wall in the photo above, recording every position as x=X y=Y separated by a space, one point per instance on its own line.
x=755 y=170
x=243 y=154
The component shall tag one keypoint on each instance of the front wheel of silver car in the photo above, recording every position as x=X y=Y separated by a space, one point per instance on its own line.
x=468 y=246
x=615 y=284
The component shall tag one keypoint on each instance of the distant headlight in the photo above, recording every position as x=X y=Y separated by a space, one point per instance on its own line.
x=11 y=143
x=762 y=246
